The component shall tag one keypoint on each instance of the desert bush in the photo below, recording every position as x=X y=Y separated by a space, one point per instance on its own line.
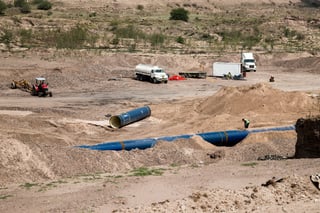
x=129 y=32
x=293 y=34
x=115 y=41
x=25 y=36
x=23 y=5
x=236 y=37
x=180 y=40
x=140 y=7
x=179 y=14
x=7 y=37
x=156 y=39
x=132 y=47
x=37 y=1
x=3 y=7
x=19 y=3
x=312 y=3
x=74 y=38
x=44 y=5
x=25 y=8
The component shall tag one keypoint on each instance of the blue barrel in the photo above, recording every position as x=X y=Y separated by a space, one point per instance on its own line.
x=118 y=121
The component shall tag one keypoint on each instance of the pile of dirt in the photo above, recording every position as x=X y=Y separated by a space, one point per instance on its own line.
x=260 y=98
x=309 y=63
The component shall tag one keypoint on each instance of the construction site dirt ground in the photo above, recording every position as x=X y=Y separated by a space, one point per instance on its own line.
x=42 y=170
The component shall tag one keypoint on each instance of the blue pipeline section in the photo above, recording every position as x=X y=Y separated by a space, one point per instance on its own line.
x=118 y=121
x=226 y=138
x=223 y=138
x=273 y=129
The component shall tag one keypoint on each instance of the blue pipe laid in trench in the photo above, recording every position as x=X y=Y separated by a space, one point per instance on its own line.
x=223 y=138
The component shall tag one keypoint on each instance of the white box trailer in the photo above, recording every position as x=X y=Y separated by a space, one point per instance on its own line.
x=221 y=69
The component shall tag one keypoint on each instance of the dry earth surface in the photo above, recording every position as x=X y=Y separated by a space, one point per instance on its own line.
x=42 y=170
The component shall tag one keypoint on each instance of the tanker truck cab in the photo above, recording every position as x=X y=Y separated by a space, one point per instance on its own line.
x=248 y=62
x=151 y=73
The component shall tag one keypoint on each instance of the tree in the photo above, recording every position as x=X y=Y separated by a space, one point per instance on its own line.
x=179 y=14
x=23 y=5
x=45 y=5
x=3 y=7
x=312 y=3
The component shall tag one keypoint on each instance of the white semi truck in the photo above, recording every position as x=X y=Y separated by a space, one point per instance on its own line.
x=248 y=62
x=150 y=73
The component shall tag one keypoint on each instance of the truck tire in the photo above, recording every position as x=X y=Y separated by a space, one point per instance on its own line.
x=165 y=82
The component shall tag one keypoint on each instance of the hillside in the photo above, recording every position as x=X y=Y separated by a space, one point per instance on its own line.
x=212 y=27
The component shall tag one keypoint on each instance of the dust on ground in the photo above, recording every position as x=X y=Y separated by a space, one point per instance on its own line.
x=42 y=170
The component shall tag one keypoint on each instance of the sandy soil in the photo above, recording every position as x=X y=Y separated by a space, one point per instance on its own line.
x=43 y=171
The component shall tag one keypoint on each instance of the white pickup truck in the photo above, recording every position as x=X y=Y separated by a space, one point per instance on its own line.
x=150 y=73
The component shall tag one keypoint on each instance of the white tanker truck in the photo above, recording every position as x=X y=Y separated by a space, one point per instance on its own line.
x=154 y=74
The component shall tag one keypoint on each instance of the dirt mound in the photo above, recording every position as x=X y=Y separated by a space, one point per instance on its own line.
x=260 y=98
x=310 y=63
x=257 y=146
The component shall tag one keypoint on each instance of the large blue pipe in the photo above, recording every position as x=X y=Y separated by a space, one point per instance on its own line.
x=223 y=138
x=118 y=121
x=273 y=129
x=226 y=138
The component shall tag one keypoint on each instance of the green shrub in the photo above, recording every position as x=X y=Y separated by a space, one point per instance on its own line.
x=157 y=39
x=180 y=40
x=25 y=36
x=236 y=37
x=140 y=7
x=143 y=171
x=7 y=37
x=179 y=14
x=129 y=32
x=37 y=1
x=44 y=5
x=293 y=34
x=115 y=41
x=19 y=3
x=74 y=38
x=23 y=5
x=3 y=7
x=25 y=8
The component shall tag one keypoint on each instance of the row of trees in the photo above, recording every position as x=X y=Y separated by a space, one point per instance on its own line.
x=25 y=6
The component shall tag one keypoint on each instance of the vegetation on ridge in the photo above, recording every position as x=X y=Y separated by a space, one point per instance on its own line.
x=186 y=28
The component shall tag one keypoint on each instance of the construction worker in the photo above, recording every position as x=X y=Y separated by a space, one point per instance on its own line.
x=246 y=122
